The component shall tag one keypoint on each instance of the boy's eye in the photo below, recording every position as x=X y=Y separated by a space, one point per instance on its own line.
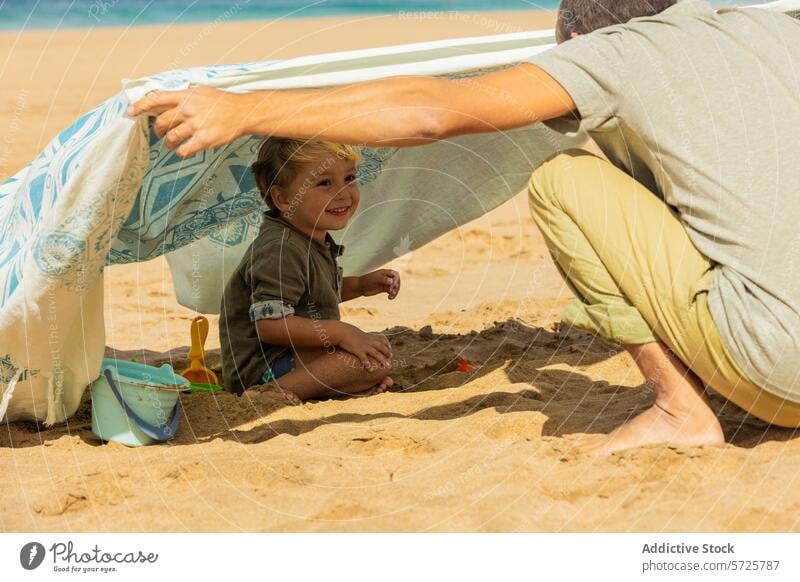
x=325 y=182
x=350 y=178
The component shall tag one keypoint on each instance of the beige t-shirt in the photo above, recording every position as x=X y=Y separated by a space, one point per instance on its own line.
x=283 y=273
x=703 y=107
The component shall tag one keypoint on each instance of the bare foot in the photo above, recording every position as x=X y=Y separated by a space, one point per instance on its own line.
x=273 y=390
x=681 y=415
x=384 y=386
x=655 y=426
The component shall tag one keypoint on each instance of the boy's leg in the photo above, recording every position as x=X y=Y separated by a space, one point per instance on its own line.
x=639 y=281
x=321 y=374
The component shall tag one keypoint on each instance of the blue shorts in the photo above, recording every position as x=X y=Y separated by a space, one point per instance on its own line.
x=281 y=365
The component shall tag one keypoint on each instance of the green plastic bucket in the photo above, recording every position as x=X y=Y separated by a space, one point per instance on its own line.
x=135 y=404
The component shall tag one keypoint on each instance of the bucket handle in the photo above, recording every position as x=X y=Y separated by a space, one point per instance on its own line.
x=157 y=433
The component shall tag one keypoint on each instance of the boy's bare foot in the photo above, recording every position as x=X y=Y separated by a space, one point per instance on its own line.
x=681 y=415
x=384 y=386
x=273 y=390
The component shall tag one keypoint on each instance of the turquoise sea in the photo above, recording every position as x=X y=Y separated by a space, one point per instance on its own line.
x=28 y=14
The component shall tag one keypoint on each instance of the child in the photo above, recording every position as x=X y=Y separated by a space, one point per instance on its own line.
x=279 y=319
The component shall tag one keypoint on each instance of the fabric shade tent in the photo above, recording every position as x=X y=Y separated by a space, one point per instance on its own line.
x=105 y=191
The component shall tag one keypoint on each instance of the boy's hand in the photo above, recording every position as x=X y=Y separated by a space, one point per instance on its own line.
x=380 y=281
x=369 y=348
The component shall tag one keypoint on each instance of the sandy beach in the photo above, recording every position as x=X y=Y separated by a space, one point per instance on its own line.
x=485 y=450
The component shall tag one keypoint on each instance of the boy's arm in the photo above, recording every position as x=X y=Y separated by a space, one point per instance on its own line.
x=351 y=288
x=398 y=111
x=299 y=332
x=380 y=281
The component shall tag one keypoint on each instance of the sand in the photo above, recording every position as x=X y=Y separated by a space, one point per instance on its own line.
x=487 y=450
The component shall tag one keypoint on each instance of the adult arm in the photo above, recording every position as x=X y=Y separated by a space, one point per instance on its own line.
x=396 y=112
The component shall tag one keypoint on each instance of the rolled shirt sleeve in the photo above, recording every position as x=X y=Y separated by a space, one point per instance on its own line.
x=279 y=279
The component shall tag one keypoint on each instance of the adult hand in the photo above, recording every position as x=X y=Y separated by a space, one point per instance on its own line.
x=195 y=119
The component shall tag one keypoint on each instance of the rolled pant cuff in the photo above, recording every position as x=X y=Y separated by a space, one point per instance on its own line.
x=621 y=324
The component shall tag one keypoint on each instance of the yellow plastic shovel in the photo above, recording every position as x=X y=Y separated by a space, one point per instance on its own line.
x=197 y=373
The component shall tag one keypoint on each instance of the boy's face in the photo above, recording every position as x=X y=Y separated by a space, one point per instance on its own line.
x=323 y=196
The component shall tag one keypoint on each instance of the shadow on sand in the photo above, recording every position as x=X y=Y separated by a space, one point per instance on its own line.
x=425 y=361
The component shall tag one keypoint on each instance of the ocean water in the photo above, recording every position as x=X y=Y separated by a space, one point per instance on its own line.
x=30 y=14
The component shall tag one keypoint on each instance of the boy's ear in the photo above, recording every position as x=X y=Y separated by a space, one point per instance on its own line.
x=280 y=198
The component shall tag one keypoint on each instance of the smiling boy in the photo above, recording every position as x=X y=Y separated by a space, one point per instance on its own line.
x=279 y=319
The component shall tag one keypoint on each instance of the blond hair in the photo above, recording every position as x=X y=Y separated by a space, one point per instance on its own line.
x=280 y=159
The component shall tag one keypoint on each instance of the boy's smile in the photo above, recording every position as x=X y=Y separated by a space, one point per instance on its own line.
x=340 y=211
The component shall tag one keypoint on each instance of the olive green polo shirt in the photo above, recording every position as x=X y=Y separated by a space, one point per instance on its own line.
x=284 y=273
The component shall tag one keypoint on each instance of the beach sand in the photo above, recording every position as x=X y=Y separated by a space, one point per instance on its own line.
x=450 y=451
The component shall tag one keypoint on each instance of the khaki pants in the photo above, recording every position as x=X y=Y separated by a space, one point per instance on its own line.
x=636 y=276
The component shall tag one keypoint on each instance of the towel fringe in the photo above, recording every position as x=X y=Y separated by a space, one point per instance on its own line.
x=8 y=393
x=52 y=405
